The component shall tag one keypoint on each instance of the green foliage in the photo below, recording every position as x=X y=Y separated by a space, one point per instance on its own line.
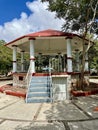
x=78 y=14
x=5 y=58
x=93 y=57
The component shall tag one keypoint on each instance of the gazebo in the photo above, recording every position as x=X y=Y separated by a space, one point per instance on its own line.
x=54 y=81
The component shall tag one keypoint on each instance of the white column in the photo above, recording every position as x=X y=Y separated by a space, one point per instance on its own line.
x=22 y=61
x=14 y=58
x=77 y=60
x=69 y=55
x=86 y=62
x=32 y=58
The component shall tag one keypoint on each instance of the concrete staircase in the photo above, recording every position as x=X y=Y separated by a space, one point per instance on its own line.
x=39 y=90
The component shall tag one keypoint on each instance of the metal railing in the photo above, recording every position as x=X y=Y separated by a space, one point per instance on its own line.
x=28 y=80
x=26 y=66
x=49 y=82
x=28 y=76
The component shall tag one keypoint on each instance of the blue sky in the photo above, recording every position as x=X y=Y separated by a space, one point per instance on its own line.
x=20 y=17
x=10 y=9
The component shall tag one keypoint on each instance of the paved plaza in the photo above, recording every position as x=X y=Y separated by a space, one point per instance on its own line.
x=77 y=114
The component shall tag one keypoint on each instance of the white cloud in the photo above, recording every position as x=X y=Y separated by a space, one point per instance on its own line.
x=39 y=19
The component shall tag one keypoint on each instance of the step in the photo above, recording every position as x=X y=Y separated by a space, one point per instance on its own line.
x=38 y=100
x=38 y=94
x=39 y=89
x=40 y=77
x=38 y=84
x=40 y=80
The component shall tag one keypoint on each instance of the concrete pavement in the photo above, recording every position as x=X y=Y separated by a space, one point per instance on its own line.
x=78 y=114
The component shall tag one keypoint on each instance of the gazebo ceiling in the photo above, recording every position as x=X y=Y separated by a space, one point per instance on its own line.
x=48 y=42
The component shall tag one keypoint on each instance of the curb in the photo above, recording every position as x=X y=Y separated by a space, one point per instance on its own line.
x=18 y=94
x=84 y=93
x=13 y=93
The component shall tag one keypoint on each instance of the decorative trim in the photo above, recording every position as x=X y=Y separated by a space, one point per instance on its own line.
x=73 y=73
x=32 y=59
x=32 y=38
x=77 y=73
x=19 y=74
x=40 y=53
x=14 y=45
x=45 y=74
x=69 y=58
x=40 y=74
x=70 y=73
x=22 y=51
x=68 y=37
x=86 y=60
x=76 y=49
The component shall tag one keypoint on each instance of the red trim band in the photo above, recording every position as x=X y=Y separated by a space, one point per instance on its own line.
x=32 y=59
x=76 y=50
x=22 y=51
x=69 y=58
x=73 y=73
x=68 y=37
x=14 y=45
x=32 y=38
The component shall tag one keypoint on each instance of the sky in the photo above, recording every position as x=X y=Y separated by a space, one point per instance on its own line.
x=20 y=17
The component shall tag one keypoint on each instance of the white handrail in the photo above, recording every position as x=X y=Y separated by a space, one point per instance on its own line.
x=50 y=85
x=28 y=79
x=28 y=76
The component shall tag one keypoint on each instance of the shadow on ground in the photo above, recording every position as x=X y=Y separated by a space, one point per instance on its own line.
x=42 y=126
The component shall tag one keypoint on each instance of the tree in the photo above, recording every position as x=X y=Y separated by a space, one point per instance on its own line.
x=93 y=57
x=5 y=58
x=79 y=15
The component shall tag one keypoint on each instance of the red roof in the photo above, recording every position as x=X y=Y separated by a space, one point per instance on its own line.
x=49 y=33
x=45 y=33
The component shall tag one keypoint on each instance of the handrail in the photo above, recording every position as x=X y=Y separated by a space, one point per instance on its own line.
x=28 y=76
x=50 y=85
x=28 y=79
